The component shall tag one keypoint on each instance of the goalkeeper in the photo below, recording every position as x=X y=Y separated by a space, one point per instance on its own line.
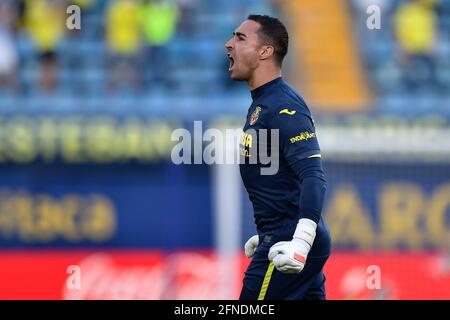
x=293 y=242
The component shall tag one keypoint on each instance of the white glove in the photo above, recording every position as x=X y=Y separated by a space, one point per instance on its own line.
x=251 y=245
x=290 y=256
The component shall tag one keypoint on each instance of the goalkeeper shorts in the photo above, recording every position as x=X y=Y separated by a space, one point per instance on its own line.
x=263 y=281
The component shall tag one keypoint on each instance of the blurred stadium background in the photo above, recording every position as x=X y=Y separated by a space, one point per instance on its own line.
x=86 y=118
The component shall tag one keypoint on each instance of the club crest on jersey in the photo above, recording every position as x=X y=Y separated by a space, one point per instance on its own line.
x=255 y=115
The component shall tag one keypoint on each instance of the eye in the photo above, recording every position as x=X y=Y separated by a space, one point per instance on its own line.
x=239 y=37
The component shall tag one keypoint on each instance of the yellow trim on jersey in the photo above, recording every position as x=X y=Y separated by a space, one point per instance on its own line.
x=266 y=281
x=285 y=110
x=315 y=156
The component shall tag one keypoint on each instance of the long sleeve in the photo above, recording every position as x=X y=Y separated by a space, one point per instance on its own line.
x=312 y=187
x=300 y=147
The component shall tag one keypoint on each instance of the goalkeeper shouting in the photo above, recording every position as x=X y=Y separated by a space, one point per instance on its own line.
x=293 y=242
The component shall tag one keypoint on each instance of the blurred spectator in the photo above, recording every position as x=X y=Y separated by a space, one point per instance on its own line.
x=123 y=34
x=8 y=50
x=45 y=22
x=159 y=20
x=415 y=28
x=186 y=23
x=20 y=6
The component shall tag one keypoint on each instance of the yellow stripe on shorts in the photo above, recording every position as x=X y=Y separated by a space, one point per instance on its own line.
x=315 y=156
x=266 y=281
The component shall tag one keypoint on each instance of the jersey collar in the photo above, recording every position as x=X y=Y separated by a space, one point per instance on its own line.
x=258 y=92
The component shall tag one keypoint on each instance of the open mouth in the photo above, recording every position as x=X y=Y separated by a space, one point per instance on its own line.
x=231 y=60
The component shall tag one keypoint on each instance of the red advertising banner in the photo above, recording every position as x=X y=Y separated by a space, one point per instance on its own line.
x=131 y=274
x=350 y=275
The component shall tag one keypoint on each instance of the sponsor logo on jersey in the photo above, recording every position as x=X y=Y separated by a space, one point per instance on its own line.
x=303 y=136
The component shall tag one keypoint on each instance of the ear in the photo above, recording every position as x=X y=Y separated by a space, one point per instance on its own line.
x=266 y=52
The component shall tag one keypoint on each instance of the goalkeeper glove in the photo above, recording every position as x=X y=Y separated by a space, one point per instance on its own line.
x=290 y=256
x=251 y=245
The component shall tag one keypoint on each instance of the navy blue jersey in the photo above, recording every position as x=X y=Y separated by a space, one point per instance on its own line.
x=276 y=197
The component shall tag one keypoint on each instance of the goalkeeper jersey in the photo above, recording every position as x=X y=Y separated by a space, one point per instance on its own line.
x=275 y=194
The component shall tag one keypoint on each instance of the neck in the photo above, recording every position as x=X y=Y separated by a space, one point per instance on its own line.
x=260 y=78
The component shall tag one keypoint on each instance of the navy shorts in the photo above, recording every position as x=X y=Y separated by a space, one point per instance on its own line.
x=263 y=281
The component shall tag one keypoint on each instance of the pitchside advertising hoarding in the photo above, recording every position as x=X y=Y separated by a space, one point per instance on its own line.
x=101 y=194
x=149 y=274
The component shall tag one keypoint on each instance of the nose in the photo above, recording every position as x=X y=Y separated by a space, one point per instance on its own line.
x=229 y=45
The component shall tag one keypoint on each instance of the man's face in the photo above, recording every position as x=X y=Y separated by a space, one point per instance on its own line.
x=242 y=50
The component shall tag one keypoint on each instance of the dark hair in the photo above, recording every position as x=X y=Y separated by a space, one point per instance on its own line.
x=274 y=33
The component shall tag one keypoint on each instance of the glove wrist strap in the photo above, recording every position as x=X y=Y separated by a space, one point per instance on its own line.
x=306 y=231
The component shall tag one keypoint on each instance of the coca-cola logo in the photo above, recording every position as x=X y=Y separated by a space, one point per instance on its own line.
x=101 y=278
x=177 y=276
